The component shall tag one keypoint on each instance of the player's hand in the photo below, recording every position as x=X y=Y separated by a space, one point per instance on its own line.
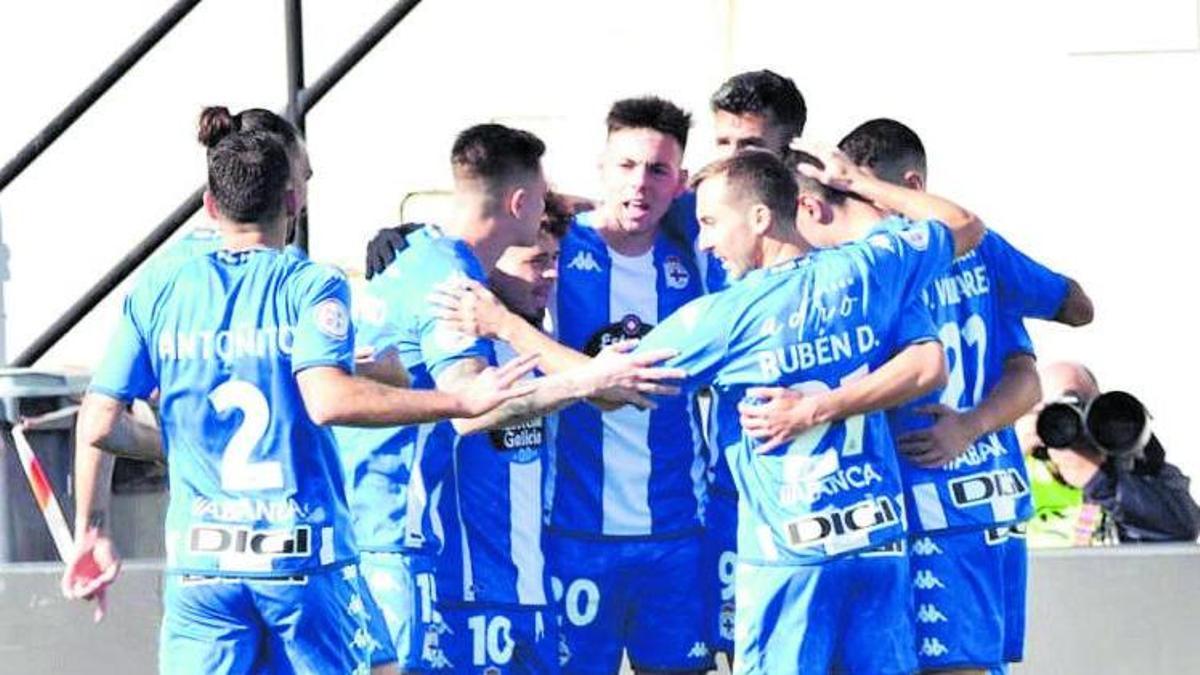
x=948 y=438
x=779 y=415
x=617 y=375
x=496 y=385
x=468 y=307
x=386 y=245
x=93 y=567
x=831 y=167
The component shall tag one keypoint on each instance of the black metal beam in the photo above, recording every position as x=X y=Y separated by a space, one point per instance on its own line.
x=355 y=53
x=308 y=98
x=295 y=74
x=94 y=91
x=144 y=249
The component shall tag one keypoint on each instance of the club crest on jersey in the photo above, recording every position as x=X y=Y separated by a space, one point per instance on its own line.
x=917 y=236
x=332 y=318
x=675 y=272
x=629 y=327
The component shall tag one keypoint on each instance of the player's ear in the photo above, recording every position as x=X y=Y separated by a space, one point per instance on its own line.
x=683 y=183
x=210 y=206
x=914 y=180
x=518 y=201
x=760 y=219
x=811 y=208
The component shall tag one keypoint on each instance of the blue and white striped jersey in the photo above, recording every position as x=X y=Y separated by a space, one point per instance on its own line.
x=256 y=486
x=812 y=323
x=978 y=307
x=395 y=475
x=492 y=511
x=625 y=473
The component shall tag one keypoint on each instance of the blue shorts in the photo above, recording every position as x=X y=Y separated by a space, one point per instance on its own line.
x=962 y=583
x=404 y=587
x=1016 y=580
x=720 y=565
x=314 y=623
x=500 y=641
x=640 y=596
x=848 y=615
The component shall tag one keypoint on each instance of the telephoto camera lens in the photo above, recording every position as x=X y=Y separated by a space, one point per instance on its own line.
x=1118 y=423
x=1060 y=424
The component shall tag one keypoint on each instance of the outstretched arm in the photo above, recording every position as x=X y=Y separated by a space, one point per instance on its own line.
x=785 y=413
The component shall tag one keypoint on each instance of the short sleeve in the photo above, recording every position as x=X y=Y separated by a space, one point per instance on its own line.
x=1026 y=288
x=1011 y=337
x=911 y=257
x=126 y=372
x=324 y=334
x=700 y=340
x=915 y=325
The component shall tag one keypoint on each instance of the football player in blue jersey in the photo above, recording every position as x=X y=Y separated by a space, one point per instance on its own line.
x=492 y=579
x=820 y=587
x=968 y=569
x=251 y=352
x=397 y=474
x=964 y=436
x=757 y=109
x=626 y=485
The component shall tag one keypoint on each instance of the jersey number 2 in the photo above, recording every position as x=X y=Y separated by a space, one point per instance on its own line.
x=237 y=471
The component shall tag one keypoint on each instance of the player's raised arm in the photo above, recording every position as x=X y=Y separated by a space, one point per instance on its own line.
x=835 y=170
x=333 y=396
x=615 y=373
x=783 y=414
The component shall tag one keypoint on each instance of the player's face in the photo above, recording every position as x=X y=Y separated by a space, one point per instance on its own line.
x=530 y=208
x=524 y=276
x=301 y=171
x=725 y=229
x=641 y=175
x=748 y=130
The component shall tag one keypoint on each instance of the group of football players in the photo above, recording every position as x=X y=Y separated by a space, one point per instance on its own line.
x=760 y=418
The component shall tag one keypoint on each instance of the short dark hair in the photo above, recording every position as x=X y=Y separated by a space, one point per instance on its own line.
x=493 y=153
x=887 y=147
x=766 y=93
x=247 y=174
x=650 y=112
x=216 y=121
x=758 y=175
x=792 y=159
x=557 y=217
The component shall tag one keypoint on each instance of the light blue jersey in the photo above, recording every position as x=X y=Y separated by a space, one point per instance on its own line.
x=812 y=323
x=493 y=516
x=256 y=487
x=625 y=473
x=396 y=474
x=978 y=308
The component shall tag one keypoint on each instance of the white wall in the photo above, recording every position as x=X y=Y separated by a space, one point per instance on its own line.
x=1069 y=126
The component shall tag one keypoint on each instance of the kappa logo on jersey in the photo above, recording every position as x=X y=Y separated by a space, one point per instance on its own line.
x=861 y=518
x=356 y=607
x=332 y=318
x=917 y=236
x=929 y=613
x=584 y=262
x=698 y=651
x=675 y=272
x=933 y=647
x=431 y=648
x=926 y=581
x=925 y=547
x=628 y=328
x=985 y=487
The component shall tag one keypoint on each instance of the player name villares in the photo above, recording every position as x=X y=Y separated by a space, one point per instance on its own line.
x=959 y=286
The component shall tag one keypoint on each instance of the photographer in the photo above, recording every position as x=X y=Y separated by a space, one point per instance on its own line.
x=1086 y=493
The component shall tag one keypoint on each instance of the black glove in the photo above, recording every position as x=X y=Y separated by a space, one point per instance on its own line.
x=386 y=245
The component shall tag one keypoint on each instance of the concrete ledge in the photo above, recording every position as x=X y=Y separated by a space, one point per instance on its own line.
x=1097 y=611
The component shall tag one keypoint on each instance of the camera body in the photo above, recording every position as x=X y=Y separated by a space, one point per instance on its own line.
x=1114 y=423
